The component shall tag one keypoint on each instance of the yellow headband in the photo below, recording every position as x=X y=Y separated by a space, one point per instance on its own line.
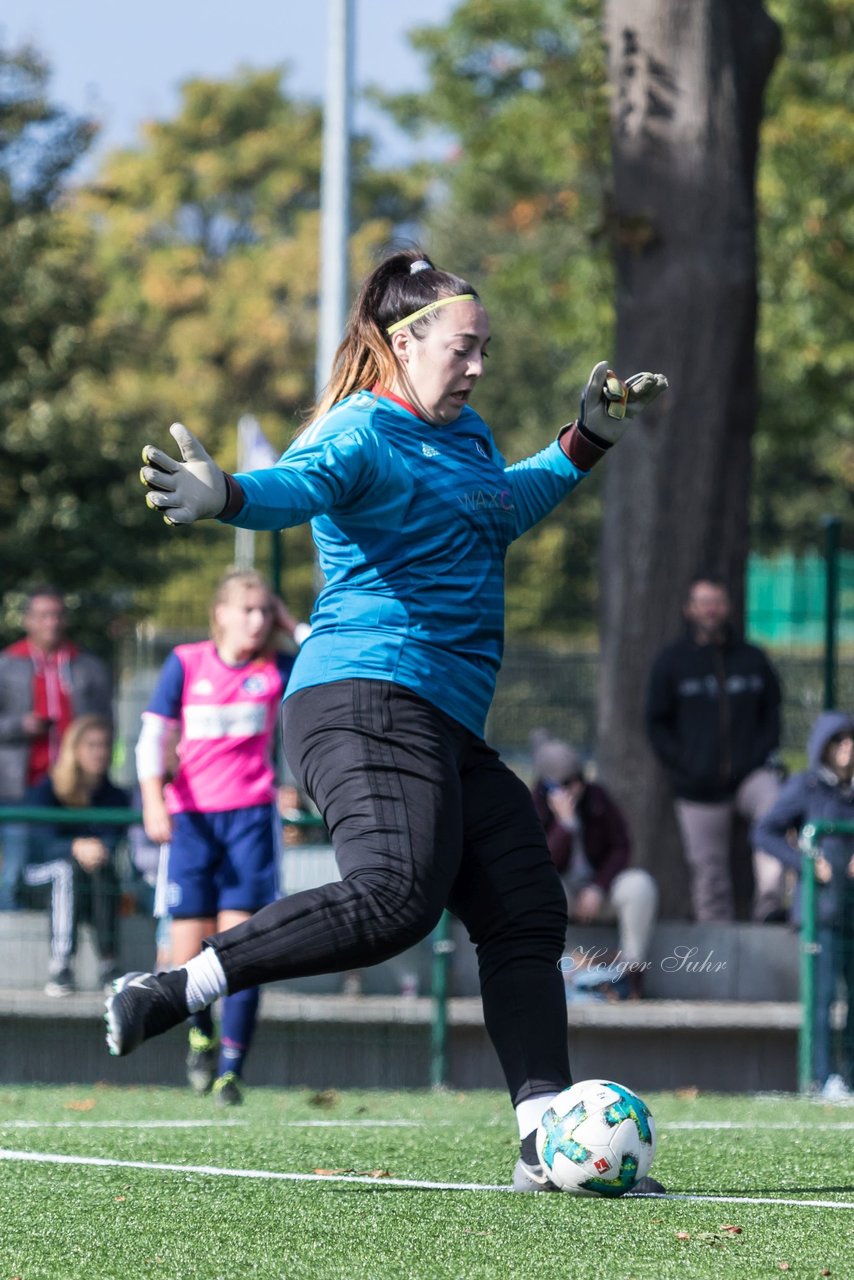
x=423 y=311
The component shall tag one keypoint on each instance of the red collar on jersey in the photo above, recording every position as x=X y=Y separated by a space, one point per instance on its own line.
x=379 y=390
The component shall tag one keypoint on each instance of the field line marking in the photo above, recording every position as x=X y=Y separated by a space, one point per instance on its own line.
x=685 y=1125
x=203 y=1124
x=812 y=1204
x=749 y=1124
x=215 y=1171
x=121 y=1124
x=41 y=1157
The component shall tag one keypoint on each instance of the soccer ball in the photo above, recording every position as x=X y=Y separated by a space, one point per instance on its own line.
x=596 y=1139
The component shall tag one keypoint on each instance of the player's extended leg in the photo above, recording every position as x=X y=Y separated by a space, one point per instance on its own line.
x=383 y=767
x=381 y=764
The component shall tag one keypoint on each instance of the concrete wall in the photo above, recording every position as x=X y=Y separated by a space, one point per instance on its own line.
x=687 y=961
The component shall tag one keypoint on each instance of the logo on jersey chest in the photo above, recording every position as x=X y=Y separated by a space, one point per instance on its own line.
x=430 y=451
x=487 y=500
x=255 y=683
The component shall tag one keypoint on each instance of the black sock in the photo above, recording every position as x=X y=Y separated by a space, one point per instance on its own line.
x=203 y=1020
x=528 y=1148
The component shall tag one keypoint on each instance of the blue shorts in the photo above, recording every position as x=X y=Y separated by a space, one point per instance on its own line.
x=222 y=862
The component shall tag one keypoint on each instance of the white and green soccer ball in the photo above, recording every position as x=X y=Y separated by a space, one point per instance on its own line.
x=596 y=1139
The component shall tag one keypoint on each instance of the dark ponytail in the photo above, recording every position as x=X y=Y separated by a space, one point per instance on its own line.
x=391 y=292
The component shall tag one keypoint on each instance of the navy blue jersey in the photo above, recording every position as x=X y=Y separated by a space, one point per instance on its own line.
x=412 y=522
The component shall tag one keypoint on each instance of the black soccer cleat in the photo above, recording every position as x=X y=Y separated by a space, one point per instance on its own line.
x=647 y=1187
x=144 y=1005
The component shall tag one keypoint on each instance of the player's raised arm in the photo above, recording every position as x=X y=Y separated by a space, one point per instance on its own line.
x=194 y=488
x=608 y=404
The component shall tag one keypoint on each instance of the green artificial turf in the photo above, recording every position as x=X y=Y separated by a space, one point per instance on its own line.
x=101 y=1221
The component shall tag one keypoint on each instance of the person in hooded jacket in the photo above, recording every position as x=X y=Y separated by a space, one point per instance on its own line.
x=713 y=720
x=824 y=791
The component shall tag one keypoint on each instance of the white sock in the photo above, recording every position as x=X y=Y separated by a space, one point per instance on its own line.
x=205 y=980
x=530 y=1112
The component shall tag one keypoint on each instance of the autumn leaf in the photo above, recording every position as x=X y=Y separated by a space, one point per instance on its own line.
x=325 y=1098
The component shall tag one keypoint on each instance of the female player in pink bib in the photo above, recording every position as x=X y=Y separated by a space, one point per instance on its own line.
x=219 y=698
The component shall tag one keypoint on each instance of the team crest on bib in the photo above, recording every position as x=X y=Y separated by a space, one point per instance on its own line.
x=255 y=684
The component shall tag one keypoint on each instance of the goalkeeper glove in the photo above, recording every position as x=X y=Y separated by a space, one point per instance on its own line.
x=607 y=403
x=193 y=489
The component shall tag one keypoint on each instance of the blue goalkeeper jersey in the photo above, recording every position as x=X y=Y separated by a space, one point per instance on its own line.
x=412 y=522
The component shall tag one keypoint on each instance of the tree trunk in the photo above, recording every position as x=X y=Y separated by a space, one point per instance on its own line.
x=687 y=80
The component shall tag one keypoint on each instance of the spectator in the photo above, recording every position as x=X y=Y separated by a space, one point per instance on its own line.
x=824 y=792
x=589 y=844
x=713 y=719
x=78 y=861
x=218 y=701
x=45 y=681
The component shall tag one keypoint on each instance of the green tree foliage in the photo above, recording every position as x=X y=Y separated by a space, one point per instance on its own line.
x=520 y=209
x=804 y=450
x=208 y=235
x=64 y=510
x=523 y=205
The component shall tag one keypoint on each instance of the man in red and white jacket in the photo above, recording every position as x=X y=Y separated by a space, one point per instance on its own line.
x=45 y=682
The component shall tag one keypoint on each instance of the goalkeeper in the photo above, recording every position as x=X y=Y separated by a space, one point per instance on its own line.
x=412 y=510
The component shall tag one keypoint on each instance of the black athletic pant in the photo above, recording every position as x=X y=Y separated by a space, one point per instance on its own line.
x=96 y=902
x=423 y=815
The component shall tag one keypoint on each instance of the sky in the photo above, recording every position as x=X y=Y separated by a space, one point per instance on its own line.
x=123 y=63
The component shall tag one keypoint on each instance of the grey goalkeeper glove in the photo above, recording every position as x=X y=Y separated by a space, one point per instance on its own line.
x=608 y=404
x=193 y=489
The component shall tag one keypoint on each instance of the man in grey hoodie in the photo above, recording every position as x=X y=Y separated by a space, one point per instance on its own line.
x=824 y=791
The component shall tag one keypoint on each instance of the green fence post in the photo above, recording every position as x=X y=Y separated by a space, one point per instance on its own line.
x=443 y=948
x=831 y=605
x=809 y=951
